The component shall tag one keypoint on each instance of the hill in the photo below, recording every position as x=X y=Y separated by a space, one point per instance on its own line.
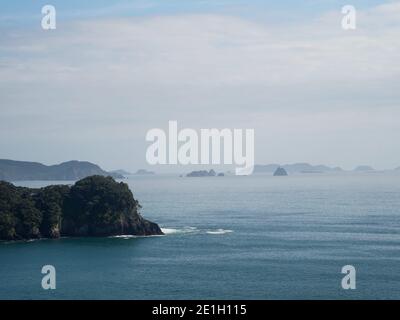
x=11 y=170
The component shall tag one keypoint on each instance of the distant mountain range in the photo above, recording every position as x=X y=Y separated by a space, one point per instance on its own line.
x=295 y=168
x=308 y=168
x=11 y=170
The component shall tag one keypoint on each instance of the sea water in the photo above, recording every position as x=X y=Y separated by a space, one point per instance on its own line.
x=256 y=237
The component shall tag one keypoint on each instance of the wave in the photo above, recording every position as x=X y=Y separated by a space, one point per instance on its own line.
x=122 y=236
x=194 y=230
x=130 y=236
x=219 y=231
x=184 y=230
x=166 y=231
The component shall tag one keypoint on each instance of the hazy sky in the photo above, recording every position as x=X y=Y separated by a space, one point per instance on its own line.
x=112 y=70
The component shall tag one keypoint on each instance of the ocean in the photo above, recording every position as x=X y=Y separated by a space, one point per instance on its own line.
x=256 y=237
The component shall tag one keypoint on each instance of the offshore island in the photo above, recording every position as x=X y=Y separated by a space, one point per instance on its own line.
x=96 y=206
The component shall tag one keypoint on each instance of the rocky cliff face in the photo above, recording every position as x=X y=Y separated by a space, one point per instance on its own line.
x=94 y=206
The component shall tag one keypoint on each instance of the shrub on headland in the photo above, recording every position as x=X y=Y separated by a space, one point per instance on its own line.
x=94 y=206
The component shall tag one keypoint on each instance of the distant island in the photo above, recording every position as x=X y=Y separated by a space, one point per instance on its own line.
x=363 y=169
x=309 y=168
x=95 y=206
x=202 y=173
x=295 y=168
x=11 y=170
x=121 y=172
x=144 y=172
x=280 y=172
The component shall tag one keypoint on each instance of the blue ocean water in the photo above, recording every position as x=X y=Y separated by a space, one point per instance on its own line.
x=257 y=237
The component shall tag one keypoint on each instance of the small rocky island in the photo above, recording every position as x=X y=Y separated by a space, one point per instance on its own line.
x=202 y=173
x=95 y=206
x=142 y=172
x=280 y=172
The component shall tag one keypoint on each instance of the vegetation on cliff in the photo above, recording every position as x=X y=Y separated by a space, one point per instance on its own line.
x=94 y=206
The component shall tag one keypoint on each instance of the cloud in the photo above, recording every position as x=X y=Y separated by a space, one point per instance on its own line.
x=117 y=78
x=208 y=50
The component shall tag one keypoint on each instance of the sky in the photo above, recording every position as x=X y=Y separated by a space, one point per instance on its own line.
x=112 y=70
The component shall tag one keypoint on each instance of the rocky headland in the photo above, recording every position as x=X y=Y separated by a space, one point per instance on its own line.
x=95 y=206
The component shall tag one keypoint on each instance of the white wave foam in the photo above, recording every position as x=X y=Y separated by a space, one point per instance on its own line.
x=123 y=236
x=191 y=230
x=169 y=231
x=129 y=236
x=219 y=231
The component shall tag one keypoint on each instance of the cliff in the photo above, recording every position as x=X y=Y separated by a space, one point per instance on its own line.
x=94 y=206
